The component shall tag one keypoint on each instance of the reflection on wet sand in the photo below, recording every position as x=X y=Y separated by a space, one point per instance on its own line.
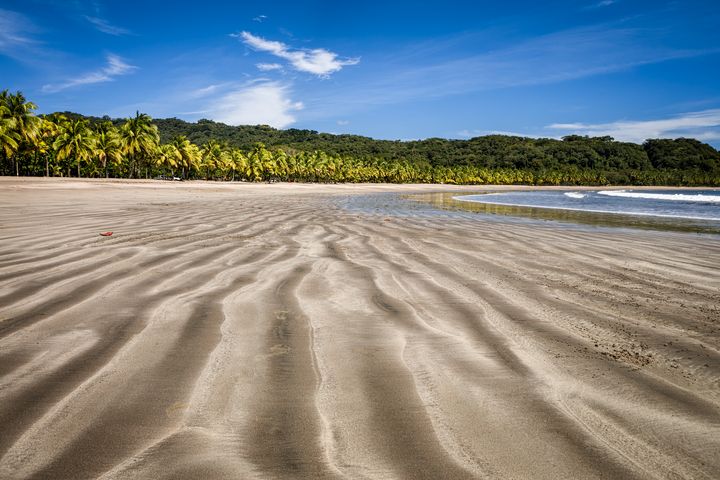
x=448 y=201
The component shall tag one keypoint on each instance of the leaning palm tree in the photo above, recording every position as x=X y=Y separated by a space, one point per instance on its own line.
x=139 y=140
x=9 y=137
x=75 y=142
x=195 y=157
x=24 y=123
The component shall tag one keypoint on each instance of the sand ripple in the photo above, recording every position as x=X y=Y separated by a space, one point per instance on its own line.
x=257 y=331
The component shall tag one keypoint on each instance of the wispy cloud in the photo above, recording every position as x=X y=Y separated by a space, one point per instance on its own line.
x=562 y=56
x=317 y=61
x=104 y=26
x=601 y=4
x=260 y=18
x=342 y=123
x=558 y=57
x=703 y=125
x=16 y=33
x=114 y=68
x=205 y=91
x=259 y=103
x=266 y=67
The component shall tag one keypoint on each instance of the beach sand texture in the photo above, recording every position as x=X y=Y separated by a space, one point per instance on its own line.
x=267 y=332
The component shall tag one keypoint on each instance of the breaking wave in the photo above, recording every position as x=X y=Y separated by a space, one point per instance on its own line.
x=678 y=197
x=575 y=194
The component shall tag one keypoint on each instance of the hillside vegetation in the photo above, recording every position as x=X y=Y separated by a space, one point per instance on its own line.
x=69 y=144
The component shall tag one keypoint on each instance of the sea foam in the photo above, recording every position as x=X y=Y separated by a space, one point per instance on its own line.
x=678 y=197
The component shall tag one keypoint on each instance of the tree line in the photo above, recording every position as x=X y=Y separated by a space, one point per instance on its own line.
x=67 y=144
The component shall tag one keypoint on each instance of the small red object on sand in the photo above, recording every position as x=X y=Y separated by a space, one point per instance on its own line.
x=106 y=234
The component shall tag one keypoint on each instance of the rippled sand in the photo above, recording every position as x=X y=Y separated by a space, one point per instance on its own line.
x=273 y=331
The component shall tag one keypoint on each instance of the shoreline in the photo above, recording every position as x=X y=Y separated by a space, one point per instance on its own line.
x=4 y=179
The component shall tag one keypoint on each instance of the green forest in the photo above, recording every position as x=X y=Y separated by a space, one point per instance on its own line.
x=72 y=145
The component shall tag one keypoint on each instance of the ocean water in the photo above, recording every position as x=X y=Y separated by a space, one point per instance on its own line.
x=678 y=203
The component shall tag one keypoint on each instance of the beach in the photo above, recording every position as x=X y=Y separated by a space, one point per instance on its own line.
x=275 y=331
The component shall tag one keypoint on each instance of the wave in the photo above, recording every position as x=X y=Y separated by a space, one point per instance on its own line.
x=575 y=194
x=680 y=197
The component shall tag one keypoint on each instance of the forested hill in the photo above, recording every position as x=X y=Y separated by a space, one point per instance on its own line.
x=492 y=151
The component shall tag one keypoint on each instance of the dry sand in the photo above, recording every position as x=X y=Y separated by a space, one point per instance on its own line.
x=267 y=331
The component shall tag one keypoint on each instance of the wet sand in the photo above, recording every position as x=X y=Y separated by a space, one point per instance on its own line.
x=271 y=331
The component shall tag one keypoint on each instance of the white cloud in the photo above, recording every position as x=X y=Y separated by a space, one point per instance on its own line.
x=104 y=26
x=115 y=67
x=317 y=61
x=265 y=103
x=343 y=122
x=266 y=67
x=703 y=125
x=260 y=18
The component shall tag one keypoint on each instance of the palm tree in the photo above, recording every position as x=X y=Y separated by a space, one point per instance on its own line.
x=239 y=162
x=261 y=163
x=189 y=153
x=226 y=164
x=107 y=146
x=254 y=169
x=211 y=156
x=75 y=142
x=47 y=131
x=53 y=127
x=8 y=134
x=23 y=122
x=139 y=140
x=281 y=168
x=169 y=157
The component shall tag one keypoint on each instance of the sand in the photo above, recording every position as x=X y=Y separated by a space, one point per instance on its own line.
x=274 y=331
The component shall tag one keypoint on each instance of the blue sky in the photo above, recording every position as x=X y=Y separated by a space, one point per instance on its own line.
x=393 y=70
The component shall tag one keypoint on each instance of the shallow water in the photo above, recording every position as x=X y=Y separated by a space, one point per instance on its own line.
x=682 y=204
x=587 y=208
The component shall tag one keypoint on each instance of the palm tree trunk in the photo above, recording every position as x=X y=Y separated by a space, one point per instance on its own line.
x=47 y=166
x=17 y=167
x=78 y=168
